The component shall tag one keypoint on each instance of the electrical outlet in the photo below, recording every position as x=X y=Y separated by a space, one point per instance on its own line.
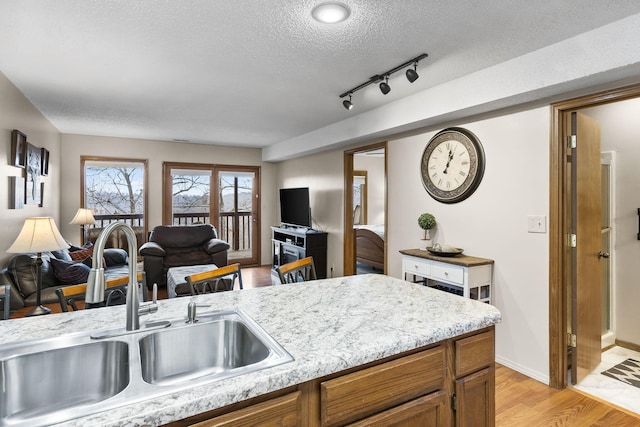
x=537 y=224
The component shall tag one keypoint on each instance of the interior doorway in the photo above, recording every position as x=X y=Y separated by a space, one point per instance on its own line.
x=365 y=189
x=559 y=239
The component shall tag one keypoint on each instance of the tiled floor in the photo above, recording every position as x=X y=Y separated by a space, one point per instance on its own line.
x=609 y=389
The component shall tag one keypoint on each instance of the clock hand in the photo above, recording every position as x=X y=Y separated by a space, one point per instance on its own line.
x=448 y=161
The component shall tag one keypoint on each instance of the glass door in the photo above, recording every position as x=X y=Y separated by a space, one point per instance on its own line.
x=238 y=208
x=228 y=197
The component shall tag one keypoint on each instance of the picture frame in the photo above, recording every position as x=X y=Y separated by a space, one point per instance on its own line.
x=16 y=192
x=44 y=162
x=32 y=176
x=18 y=149
x=41 y=203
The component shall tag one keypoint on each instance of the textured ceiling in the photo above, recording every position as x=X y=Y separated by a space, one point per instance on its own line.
x=254 y=73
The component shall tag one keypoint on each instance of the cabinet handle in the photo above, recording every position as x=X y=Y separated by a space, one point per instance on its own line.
x=415 y=266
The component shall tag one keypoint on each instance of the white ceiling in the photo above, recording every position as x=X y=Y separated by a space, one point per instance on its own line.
x=254 y=73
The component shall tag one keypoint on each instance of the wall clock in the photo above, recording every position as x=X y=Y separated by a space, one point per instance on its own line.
x=452 y=165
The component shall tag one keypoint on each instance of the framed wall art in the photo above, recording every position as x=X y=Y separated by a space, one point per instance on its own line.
x=16 y=192
x=18 y=149
x=44 y=162
x=32 y=178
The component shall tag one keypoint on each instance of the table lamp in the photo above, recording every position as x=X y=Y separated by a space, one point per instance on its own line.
x=38 y=234
x=83 y=217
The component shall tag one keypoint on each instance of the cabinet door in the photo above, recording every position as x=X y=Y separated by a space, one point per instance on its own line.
x=282 y=411
x=427 y=411
x=475 y=399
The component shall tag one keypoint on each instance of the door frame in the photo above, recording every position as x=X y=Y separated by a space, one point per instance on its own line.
x=349 y=266
x=167 y=188
x=557 y=239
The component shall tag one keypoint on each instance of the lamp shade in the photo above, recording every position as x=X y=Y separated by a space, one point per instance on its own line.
x=83 y=216
x=38 y=234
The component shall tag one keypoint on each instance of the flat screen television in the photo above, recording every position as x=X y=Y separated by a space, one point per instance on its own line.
x=294 y=207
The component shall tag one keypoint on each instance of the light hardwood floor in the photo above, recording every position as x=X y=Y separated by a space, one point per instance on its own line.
x=525 y=402
x=520 y=400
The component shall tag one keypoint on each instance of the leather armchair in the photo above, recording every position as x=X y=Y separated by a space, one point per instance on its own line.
x=179 y=245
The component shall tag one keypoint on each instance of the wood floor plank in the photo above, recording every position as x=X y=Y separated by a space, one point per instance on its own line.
x=524 y=402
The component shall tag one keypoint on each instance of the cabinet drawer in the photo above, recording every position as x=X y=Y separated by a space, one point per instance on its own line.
x=417 y=266
x=282 y=411
x=474 y=353
x=424 y=411
x=355 y=396
x=447 y=272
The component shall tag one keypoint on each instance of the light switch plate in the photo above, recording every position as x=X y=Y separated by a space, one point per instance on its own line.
x=537 y=224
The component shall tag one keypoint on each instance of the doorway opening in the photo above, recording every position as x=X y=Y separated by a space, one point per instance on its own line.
x=365 y=224
x=560 y=266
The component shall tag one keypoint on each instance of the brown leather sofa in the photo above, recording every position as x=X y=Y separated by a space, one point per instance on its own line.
x=179 y=245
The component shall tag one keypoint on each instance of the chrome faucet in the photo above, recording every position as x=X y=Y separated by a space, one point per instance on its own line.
x=96 y=281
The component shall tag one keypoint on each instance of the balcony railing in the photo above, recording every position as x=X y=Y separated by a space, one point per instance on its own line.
x=234 y=228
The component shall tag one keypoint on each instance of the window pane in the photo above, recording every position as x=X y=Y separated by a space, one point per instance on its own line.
x=191 y=196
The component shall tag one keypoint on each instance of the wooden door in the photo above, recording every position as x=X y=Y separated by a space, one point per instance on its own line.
x=586 y=220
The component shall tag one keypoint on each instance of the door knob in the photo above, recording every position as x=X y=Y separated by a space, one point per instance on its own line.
x=603 y=254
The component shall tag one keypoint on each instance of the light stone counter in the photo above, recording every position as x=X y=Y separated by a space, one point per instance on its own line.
x=327 y=326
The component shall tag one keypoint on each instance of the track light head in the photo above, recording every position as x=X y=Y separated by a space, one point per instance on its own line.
x=384 y=86
x=412 y=75
x=347 y=103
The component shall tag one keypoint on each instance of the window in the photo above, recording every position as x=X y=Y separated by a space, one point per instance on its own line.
x=115 y=190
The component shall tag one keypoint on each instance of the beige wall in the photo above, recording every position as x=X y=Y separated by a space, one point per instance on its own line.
x=16 y=112
x=157 y=152
x=492 y=223
x=374 y=165
x=324 y=175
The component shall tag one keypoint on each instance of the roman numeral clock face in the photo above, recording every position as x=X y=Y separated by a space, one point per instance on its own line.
x=452 y=165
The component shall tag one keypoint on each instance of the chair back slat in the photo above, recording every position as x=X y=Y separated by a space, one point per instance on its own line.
x=219 y=279
x=301 y=270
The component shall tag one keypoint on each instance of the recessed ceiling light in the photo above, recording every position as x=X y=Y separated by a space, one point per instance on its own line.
x=330 y=12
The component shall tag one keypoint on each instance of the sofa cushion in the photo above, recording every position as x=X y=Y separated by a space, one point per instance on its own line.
x=81 y=254
x=23 y=272
x=114 y=257
x=69 y=273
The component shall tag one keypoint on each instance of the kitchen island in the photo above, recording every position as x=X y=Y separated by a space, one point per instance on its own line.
x=357 y=331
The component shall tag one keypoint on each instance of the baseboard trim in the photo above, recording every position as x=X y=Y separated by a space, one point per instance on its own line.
x=538 y=376
x=628 y=345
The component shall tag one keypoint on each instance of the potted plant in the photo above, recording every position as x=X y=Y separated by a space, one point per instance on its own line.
x=427 y=222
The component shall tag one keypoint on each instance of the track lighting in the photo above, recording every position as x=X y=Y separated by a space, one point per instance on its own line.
x=412 y=75
x=347 y=103
x=383 y=79
x=384 y=86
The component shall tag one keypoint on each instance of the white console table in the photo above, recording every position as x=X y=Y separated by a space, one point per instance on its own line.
x=468 y=276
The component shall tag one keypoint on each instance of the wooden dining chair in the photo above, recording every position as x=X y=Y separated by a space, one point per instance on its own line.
x=301 y=270
x=220 y=279
x=115 y=292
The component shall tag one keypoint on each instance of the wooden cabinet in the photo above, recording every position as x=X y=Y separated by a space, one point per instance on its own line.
x=284 y=411
x=451 y=383
x=474 y=398
x=372 y=390
x=467 y=276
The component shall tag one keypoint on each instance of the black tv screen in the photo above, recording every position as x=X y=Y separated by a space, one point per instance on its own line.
x=294 y=206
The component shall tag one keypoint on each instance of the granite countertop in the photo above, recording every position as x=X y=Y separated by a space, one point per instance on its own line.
x=327 y=326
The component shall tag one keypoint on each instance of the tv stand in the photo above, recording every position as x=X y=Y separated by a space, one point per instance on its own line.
x=294 y=243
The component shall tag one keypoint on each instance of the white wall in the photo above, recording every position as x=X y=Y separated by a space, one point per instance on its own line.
x=620 y=133
x=492 y=223
x=16 y=112
x=157 y=152
x=374 y=165
x=324 y=175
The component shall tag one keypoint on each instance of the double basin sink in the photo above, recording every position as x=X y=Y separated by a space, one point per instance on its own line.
x=55 y=380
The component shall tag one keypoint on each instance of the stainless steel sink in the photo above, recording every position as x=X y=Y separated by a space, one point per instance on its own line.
x=54 y=380
x=46 y=382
